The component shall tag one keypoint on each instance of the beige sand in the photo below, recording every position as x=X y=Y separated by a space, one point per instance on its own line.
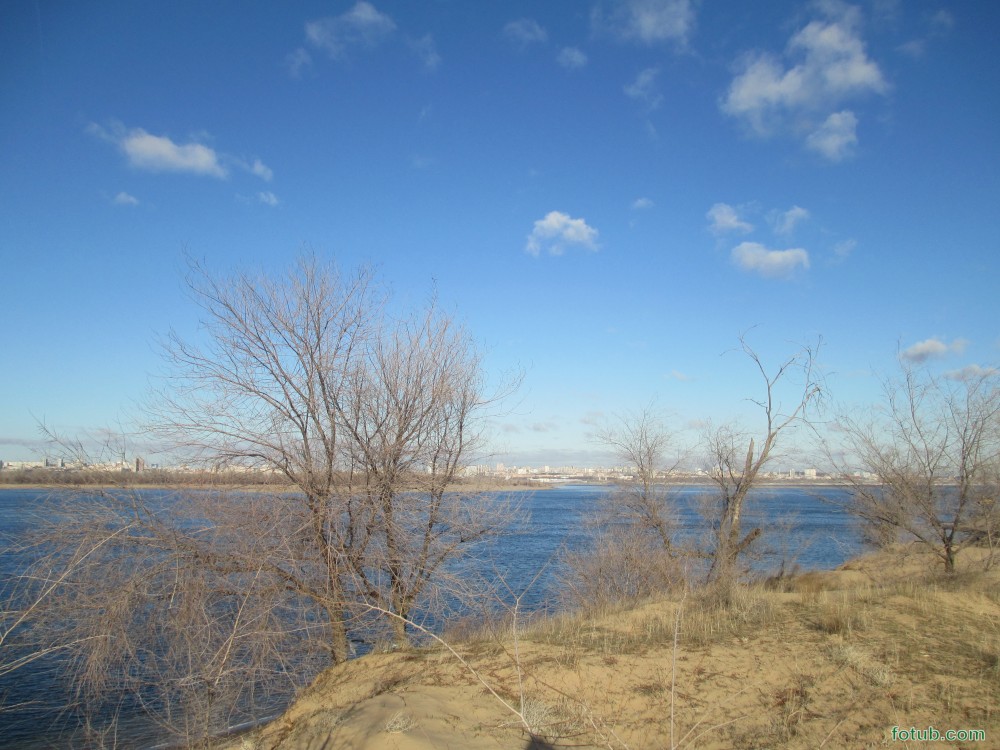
x=830 y=660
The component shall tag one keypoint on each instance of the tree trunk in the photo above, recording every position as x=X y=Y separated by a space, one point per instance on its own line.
x=340 y=648
x=399 y=636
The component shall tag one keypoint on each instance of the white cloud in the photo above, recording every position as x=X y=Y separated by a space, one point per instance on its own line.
x=260 y=169
x=157 y=153
x=924 y=350
x=525 y=31
x=754 y=257
x=124 y=199
x=361 y=26
x=557 y=231
x=725 y=219
x=426 y=50
x=643 y=88
x=571 y=58
x=836 y=137
x=829 y=65
x=784 y=222
x=641 y=203
x=972 y=372
x=678 y=375
x=932 y=348
x=160 y=154
x=297 y=60
x=647 y=21
x=842 y=250
x=268 y=198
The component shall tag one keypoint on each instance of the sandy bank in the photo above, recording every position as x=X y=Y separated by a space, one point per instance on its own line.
x=831 y=660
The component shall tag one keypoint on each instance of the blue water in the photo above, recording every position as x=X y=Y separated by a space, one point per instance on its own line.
x=798 y=528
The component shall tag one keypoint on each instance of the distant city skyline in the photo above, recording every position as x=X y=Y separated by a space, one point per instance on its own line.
x=608 y=194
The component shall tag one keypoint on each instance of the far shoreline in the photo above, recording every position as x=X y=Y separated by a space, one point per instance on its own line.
x=529 y=485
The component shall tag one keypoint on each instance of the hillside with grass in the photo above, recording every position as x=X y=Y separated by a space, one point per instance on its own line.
x=820 y=660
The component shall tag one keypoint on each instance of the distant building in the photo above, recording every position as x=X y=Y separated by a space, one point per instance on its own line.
x=15 y=465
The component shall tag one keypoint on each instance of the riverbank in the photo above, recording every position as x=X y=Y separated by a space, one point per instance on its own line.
x=825 y=659
x=471 y=486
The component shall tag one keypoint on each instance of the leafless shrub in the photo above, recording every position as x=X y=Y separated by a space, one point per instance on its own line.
x=631 y=551
x=930 y=463
x=620 y=564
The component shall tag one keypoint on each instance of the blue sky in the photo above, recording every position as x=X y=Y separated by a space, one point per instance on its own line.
x=607 y=193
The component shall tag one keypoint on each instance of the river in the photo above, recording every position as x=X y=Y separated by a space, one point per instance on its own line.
x=799 y=528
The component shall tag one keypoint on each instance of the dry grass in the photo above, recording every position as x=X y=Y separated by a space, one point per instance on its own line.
x=827 y=660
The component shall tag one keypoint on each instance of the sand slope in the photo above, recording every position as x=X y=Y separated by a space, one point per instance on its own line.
x=829 y=660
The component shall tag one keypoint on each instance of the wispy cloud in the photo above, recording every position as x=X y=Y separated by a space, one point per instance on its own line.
x=419 y=161
x=824 y=64
x=772 y=264
x=837 y=137
x=40 y=446
x=524 y=32
x=361 y=26
x=842 y=250
x=426 y=50
x=932 y=348
x=725 y=218
x=558 y=231
x=260 y=169
x=680 y=376
x=914 y=48
x=124 y=199
x=643 y=88
x=972 y=372
x=943 y=20
x=646 y=21
x=268 y=198
x=298 y=60
x=938 y=25
x=786 y=221
x=571 y=58
x=641 y=203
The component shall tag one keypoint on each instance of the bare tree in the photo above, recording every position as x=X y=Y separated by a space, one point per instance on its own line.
x=643 y=442
x=226 y=595
x=925 y=464
x=631 y=551
x=409 y=421
x=265 y=392
x=369 y=418
x=736 y=458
